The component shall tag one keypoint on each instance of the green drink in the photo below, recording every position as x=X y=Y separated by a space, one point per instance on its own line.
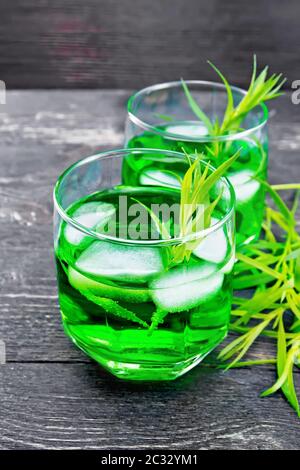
x=146 y=127
x=123 y=301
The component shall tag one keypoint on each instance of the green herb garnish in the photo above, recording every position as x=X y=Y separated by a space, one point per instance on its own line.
x=261 y=89
x=270 y=267
x=196 y=206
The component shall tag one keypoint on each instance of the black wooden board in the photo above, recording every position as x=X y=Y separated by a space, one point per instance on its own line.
x=133 y=43
x=51 y=395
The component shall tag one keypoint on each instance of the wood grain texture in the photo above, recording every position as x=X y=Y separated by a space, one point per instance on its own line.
x=75 y=406
x=51 y=395
x=133 y=43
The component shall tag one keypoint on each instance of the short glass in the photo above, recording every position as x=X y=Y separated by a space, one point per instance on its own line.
x=121 y=300
x=160 y=117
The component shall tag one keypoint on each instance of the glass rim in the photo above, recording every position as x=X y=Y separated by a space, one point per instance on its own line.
x=119 y=153
x=173 y=136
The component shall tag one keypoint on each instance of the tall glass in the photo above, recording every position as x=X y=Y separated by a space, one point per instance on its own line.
x=123 y=299
x=160 y=117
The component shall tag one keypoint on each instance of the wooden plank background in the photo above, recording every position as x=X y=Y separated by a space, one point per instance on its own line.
x=53 y=396
x=134 y=43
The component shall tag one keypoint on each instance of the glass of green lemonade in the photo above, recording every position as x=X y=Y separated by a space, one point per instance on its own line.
x=160 y=116
x=123 y=299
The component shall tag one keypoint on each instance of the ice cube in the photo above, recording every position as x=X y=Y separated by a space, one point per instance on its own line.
x=154 y=177
x=86 y=285
x=214 y=247
x=90 y=215
x=244 y=186
x=187 y=130
x=185 y=287
x=126 y=263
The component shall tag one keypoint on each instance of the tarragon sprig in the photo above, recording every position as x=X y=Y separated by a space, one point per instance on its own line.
x=270 y=268
x=260 y=90
x=196 y=206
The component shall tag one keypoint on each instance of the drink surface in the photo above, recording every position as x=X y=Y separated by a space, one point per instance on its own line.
x=110 y=293
x=250 y=194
